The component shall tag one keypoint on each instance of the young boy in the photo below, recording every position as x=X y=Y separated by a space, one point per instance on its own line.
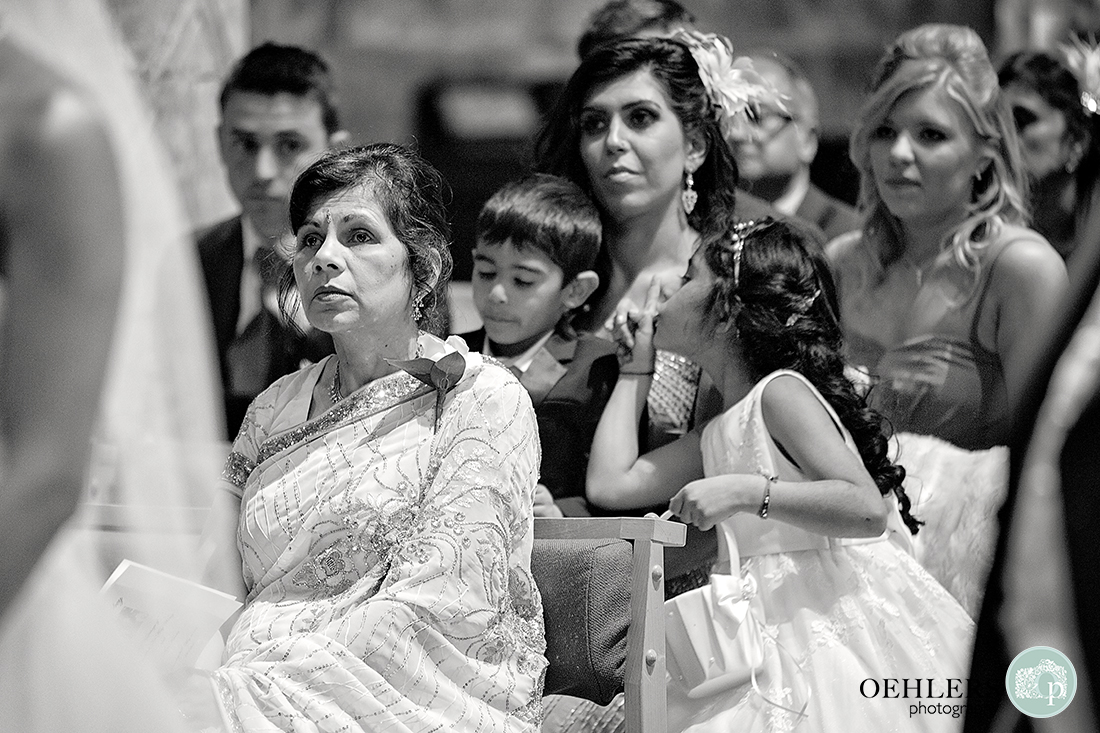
x=537 y=244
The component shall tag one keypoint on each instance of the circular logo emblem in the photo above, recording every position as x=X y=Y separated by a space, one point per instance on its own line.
x=1041 y=681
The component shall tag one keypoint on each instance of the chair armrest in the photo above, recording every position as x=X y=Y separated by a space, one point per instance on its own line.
x=661 y=531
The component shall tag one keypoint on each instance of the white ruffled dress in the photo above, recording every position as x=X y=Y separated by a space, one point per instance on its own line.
x=835 y=614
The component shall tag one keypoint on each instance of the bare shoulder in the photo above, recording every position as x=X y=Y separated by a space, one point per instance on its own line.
x=1026 y=261
x=790 y=407
x=787 y=397
x=848 y=259
x=844 y=248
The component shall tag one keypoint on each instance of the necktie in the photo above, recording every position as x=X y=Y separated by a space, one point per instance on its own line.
x=249 y=355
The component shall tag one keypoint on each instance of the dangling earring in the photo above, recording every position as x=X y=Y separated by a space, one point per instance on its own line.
x=417 y=314
x=689 y=195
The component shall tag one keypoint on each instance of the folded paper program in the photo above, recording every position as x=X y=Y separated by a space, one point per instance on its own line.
x=173 y=619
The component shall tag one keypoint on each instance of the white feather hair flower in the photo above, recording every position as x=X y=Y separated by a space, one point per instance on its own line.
x=736 y=90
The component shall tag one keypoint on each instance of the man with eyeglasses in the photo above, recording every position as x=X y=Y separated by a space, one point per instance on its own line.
x=774 y=164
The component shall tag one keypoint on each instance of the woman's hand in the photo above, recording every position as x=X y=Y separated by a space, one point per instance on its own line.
x=632 y=330
x=706 y=502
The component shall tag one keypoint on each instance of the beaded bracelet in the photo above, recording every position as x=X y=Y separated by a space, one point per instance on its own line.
x=768 y=481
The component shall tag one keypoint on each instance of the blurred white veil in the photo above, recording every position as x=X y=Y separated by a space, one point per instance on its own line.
x=64 y=662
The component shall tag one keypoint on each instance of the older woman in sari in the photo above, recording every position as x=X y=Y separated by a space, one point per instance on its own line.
x=381 y=499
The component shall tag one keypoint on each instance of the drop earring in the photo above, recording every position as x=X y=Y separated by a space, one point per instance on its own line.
x=417 y=313
x=689 y=196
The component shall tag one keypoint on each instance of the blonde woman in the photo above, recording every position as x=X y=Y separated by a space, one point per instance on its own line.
x=943 y=286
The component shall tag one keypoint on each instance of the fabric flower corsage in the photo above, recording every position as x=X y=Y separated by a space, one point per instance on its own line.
x=736 y=90
x=442 y=374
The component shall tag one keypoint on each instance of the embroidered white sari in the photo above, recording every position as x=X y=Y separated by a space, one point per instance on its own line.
x=387 y=561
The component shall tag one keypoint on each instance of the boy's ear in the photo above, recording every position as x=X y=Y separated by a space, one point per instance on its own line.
x=578 y=290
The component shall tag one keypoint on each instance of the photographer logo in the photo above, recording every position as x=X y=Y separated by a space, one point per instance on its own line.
x=1041 y=681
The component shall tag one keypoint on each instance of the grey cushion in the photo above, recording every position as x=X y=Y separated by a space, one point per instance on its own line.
x=585 y=588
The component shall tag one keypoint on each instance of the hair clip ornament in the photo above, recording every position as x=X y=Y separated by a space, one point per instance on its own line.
x=1083 y=59
x=802 y=308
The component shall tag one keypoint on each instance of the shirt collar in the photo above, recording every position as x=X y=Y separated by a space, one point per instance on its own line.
x=522 y=362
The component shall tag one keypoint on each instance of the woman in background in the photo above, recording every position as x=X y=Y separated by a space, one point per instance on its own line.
x=1059 y=139
x=640 y=127
x=943 y=288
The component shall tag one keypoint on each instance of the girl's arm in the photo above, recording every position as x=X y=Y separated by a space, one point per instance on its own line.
x=839 y=499
x=618 y=478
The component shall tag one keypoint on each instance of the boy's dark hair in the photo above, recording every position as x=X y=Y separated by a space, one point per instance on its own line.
x=547 y=213
x=626 y=18
x=271 y=68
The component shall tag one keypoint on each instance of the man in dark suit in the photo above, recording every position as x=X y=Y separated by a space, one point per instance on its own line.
x=774 y=164
x=277 y=116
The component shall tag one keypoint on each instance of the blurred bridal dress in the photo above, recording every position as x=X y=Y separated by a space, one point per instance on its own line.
x=66 y=663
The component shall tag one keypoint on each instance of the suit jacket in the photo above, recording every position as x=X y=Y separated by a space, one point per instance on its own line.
x=747 y=206
x=832 y=215
x=221 y=254
x=570 y=381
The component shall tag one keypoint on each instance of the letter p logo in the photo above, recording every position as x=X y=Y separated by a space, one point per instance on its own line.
x=1041 y=681
x=1061 y=692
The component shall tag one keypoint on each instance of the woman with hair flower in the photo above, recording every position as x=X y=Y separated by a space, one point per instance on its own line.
x=1055 y=103
x=641 y=126
x=943 y=289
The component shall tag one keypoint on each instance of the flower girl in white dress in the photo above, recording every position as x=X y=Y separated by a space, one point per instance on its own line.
x=856 y=636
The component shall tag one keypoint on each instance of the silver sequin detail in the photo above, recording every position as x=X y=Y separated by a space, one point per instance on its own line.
x=671 y=399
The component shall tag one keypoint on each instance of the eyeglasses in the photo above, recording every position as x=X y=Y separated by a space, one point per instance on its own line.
x=767 y=124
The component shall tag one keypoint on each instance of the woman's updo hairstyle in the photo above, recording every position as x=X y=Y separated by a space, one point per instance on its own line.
x=774 y=295
x=952 y=58
x=411 y=194
x=674 y=68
